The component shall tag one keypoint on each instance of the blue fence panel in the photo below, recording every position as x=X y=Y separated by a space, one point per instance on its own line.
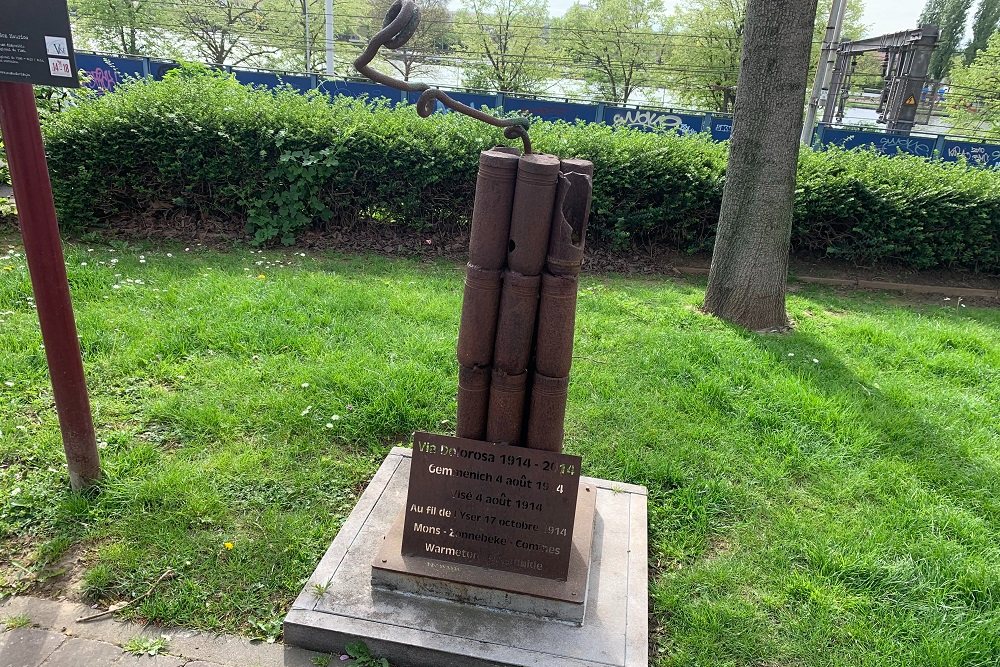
x=722 y=129
x=359 y=89
x=106 y=72
x=552 y=110
x=981 y=155
x=249 y=78
x=644 y=119
x=474 y=100
x=299 y=82
x=160 y=67
x=889 y=144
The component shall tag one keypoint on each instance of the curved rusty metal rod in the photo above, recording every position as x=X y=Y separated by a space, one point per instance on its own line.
x=400 y=23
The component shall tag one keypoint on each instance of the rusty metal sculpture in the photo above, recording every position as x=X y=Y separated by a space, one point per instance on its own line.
x=399 y=26
x=529 y=223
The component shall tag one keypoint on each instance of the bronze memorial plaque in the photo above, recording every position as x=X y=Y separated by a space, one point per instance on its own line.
x=493 y=506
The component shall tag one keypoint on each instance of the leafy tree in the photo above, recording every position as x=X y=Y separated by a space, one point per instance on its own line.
x=297 y=23
x=974 y=98
x=932 y=12
x=950 y=16
x=288 y=31
x=613 y=41
x=703 y=62
x=746 y=284
x=230 y=32
x=120 y=26
x=507 y=42
x=986 y=23
x=433 y=35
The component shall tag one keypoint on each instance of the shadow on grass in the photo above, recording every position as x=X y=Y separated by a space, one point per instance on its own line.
x=904 y=434
x=901 y=523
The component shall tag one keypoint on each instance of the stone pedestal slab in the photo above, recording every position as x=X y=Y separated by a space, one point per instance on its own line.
x=417 y=631
x=544 y=599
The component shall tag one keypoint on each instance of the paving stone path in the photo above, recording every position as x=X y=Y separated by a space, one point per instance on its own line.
x=53 y=638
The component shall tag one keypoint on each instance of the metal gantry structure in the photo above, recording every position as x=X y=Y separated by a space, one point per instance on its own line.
x=907 y=57
x=821 y=82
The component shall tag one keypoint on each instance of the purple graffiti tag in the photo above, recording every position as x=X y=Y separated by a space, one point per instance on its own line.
x=102 y=79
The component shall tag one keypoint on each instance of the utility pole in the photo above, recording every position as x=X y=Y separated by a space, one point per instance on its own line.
x=42 y=54
x=29 y=175
x=305 y=16
x=329 y=37
x=821 y=85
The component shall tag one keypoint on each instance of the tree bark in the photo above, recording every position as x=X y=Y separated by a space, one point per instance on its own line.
x=746 y=285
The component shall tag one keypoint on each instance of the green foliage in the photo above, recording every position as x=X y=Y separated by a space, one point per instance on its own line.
x=511 y=35
x=611 y=41
x=986 y=23
x=824 y=498
x=973 y=105
x=864 y=207
x=200 y=148
x=950 y=16
x=16 y=621
x=266 y=629
x=145 y=645
x=361 y=656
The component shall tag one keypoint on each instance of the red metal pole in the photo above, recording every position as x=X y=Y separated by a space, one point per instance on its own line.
x=29 y=175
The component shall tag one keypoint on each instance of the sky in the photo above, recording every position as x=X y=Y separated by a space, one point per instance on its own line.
x=882 y=16
x=885 y=16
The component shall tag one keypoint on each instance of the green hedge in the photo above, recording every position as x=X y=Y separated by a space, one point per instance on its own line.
x=202 y=147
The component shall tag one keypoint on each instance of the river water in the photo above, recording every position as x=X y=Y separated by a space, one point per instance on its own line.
x=572 y=90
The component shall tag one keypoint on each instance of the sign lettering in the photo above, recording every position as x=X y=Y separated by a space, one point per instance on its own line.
x=493 y=506
x=36 y=45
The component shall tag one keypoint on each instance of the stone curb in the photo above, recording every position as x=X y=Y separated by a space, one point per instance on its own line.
x=54 y=629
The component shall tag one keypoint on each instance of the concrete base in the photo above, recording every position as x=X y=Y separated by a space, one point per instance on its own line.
x=414 y=631
x=540 y=598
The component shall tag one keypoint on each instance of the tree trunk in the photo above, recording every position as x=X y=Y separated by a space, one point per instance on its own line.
x=746 y=285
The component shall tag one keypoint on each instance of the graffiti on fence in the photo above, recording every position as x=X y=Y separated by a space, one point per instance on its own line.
x=911 y=145
x=104 y=73
x=102 y=78
x=981 y=155
x=722 y=128
x=888 y=144
x=107 y=72
x=643 y=119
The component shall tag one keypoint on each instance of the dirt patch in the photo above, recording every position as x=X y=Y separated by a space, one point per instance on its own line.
x=15 y=559
x=718 y=546
x=21 y=571
x=63 y=579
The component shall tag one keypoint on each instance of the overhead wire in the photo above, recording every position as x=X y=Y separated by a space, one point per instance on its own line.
x=462 y=56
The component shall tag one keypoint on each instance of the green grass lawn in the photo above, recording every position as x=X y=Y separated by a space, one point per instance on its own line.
x=826 y=497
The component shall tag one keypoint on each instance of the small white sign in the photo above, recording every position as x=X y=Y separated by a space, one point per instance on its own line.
x=56 y=46
x=60 y=67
